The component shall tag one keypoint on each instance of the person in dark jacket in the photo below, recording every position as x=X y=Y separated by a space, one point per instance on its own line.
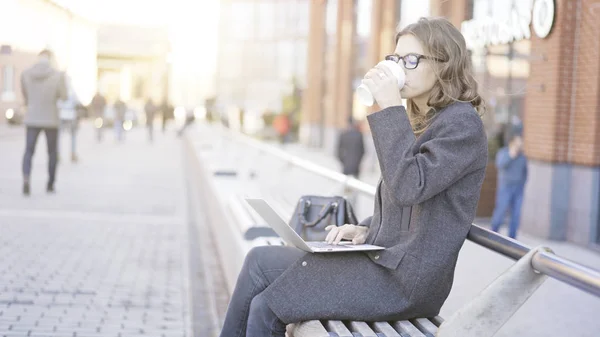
x=120 y=108
x=150 y=109
x=168 y=112
x=42 y=86
x=432 y=156
x=97 y=107
x=351 y=149
x=512 y=176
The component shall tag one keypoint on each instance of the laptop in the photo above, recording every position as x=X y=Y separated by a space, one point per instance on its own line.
x=290 y=236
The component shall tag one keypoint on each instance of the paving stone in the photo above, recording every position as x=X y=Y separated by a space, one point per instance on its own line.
x=107 y=254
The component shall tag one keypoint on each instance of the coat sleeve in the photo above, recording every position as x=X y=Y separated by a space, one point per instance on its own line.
x=366 y=222
x=458 y=146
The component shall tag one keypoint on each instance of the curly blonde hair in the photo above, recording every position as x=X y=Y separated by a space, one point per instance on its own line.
x=455 y=80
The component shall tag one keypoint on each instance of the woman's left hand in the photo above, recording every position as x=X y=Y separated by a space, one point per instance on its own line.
x=358 y=234
x=384 y=86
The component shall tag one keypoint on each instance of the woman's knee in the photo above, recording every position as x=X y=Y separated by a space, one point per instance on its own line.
x=262 y=318
x=266 y=263
x=257 y=253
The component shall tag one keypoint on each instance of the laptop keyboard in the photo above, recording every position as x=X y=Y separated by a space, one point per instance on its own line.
x=323 y=244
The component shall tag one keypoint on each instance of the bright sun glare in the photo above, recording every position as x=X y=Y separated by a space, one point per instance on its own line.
x=193 y=24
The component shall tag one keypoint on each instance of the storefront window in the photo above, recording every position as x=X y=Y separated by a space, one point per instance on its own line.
x=242 y=20
x=501 y=68
x=266 y=23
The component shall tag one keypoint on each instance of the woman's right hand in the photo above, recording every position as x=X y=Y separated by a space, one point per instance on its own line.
x=383 y=85
x=358 y=234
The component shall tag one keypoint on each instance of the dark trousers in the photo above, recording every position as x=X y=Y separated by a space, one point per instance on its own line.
x=248 y=314
x=508 y=197
x=32 y=134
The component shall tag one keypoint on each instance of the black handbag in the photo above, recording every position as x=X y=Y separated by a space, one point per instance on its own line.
x=314 y=213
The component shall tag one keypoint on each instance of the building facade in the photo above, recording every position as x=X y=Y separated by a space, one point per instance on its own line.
x=27 y=27
x=133 y=63
x=262 y=54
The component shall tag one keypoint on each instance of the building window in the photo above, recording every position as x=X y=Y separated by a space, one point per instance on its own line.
x=8 y=82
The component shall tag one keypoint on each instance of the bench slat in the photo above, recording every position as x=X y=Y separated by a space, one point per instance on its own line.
x=423 y=324
x=407 y=328
x=437 y=320
x=338 y=327
x=309 y=329
x=362 y=328
x=386 y=329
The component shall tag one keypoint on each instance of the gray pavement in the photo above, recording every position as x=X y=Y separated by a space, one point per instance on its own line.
x=555 y=309
x=109 y=254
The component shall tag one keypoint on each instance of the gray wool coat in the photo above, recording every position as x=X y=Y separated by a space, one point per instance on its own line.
x=433 y=182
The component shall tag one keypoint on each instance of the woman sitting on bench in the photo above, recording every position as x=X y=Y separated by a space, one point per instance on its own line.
x=432 y=155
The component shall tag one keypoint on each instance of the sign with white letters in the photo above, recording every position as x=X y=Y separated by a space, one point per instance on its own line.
x=543 y=17
x=494 y=30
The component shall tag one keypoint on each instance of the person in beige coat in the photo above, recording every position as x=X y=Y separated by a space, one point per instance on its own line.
x=432 y=155
x=42 y=86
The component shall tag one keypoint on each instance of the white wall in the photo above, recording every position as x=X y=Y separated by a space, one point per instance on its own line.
x=32 y=25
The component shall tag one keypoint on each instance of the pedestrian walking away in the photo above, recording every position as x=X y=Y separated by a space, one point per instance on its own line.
x=42 y=86
x=69 y=116
x=150 y=109
x=97 y=109
x=350 y=150
x=120 y=109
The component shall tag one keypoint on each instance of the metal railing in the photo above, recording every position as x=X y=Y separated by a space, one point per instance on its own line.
x=569 y=272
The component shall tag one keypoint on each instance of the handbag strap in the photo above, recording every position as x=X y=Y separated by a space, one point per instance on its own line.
x=328 y=208
x=350 y=216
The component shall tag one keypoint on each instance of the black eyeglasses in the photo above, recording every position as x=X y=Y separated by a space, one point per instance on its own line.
x=411 y=61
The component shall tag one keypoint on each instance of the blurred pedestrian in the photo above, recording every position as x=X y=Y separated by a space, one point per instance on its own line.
x=120 y=110
x=351 y=149
x=189 y=119
x=69 y=115
x=168 y=112
x=282 y=125
x=150 y=109
x=512 y=176
x=97 y=108
x=42 y=86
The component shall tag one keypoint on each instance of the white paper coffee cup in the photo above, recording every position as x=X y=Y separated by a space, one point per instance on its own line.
x=364 y=94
